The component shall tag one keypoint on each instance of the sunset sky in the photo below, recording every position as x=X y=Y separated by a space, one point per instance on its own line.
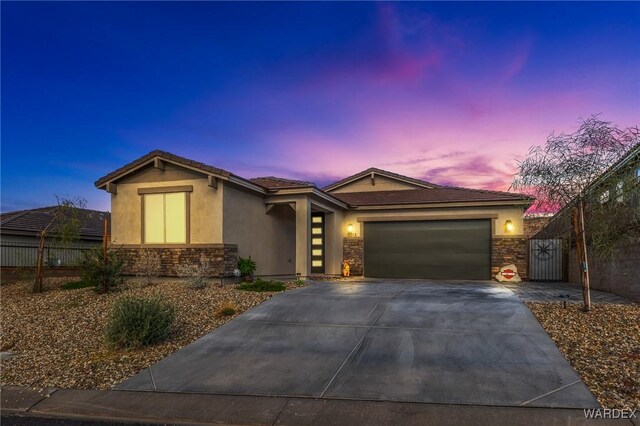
x=452 y=93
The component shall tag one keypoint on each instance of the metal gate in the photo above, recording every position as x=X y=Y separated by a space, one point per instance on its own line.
x=545 y=259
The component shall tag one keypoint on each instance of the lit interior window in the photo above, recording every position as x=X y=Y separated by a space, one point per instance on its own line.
x=316 y=263
x=316 y=241
x=604 y=197
x=316 y=231
x=316 y=219
x=165 y=218
x=316 y=252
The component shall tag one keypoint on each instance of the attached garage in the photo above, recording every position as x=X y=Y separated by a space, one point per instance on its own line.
x=438 y=249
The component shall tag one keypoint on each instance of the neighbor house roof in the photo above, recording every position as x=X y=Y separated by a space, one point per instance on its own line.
x=424 y=196
x=31 y=222
x=380 y=172
x=272 y=182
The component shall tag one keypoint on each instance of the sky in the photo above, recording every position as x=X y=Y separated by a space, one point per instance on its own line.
x=453 y=93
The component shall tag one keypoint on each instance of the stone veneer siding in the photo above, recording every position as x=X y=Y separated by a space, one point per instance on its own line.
x=353 y=252
x=505 y=251
x=223 y=258
x=533 y=225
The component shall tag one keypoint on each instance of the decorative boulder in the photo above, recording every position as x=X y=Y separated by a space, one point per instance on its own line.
x=509 y=274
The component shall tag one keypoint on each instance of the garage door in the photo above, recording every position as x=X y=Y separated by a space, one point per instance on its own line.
x=447 y=249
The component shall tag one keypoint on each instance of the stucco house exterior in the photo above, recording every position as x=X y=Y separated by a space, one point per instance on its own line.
x=384 y=224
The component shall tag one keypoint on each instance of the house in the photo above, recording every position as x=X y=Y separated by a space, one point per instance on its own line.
x=20 y=235
x=384 y=224
x=617 y=192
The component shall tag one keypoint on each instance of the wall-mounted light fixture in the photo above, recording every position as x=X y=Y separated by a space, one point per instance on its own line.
x=350 y=230
x=508 y=226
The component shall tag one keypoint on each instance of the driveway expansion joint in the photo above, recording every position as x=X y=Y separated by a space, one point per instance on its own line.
x=550 y=393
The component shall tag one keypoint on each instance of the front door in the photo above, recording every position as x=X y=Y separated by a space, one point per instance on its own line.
x=317 y=243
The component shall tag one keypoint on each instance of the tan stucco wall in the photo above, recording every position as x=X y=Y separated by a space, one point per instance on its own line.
x=205 y=210
x=382 y=184
x=333 y=245
x=504 y=213
x=270 y=239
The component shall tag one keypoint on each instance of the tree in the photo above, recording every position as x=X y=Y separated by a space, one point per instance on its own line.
x=570 y=173
x=64 y=227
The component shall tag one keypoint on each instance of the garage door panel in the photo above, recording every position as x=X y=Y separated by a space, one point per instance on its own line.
x=429 y=249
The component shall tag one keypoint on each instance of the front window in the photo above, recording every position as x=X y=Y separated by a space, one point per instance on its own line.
x=165 y=218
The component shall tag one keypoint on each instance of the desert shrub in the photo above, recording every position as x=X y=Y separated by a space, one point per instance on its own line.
x=139 y=321
x=76 y=284
x=226 y=310
x=147 y=265
x=105 y=274
x=246 y=266
x=260 y=285
x=197 y=275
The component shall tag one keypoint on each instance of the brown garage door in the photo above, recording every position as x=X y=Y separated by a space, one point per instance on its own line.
x=442 y=249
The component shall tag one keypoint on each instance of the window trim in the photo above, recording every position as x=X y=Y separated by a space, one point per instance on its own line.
x=187 y=201
x=165 y=189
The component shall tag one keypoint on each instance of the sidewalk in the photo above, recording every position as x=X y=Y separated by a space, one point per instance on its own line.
x=25 y=406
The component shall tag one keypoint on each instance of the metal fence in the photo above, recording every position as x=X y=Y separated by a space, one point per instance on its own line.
x=19 y=254
x=545 y=259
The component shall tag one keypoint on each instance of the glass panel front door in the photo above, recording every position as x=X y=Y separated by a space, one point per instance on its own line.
x=317 y=243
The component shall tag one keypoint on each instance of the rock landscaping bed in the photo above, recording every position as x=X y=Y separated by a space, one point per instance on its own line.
x=603 y=346
x=58 y=337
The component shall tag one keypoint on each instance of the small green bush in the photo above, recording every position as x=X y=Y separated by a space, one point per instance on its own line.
x=262 y=285
x=104 y=274
x=74 y=285
x=247 y=266
x=139 y=321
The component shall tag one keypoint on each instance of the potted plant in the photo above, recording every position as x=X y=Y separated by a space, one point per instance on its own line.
x=247 y=267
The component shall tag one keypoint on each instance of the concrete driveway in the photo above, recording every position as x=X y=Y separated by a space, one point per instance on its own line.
x=414 y=341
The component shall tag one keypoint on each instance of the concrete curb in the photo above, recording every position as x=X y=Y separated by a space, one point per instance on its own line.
x=26 y=406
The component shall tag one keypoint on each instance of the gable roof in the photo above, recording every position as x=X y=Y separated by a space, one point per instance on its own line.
x=274 y=183
x=145 y=159
x=385 y=173
x=427 y=196
x=30 y=222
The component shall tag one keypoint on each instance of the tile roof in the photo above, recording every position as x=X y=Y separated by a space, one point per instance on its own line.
x=370 y=170
x=424 y=196
x=161 y=154
x=274 y=183
x=35 y=220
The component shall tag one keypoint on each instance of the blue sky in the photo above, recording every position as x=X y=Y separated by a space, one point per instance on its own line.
x=450 y=92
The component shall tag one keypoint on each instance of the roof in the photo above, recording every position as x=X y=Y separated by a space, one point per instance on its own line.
x=422 y=196
x=380 y=172
x=274 y=183
x=35 y=220
x=164 y=155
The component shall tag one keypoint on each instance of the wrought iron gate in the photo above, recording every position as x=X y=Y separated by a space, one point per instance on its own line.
x=545 y=259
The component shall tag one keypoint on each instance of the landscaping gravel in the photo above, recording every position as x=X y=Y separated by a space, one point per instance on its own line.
x=58 y=335
x=602 y=345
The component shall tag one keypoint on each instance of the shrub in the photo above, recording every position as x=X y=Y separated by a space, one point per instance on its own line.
x=226 y=310
x=197 y=275
x=74 y=285
x=246 y=266
x=261 y=285
x=139 y=321
x=147 y=265
x=103 y=273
